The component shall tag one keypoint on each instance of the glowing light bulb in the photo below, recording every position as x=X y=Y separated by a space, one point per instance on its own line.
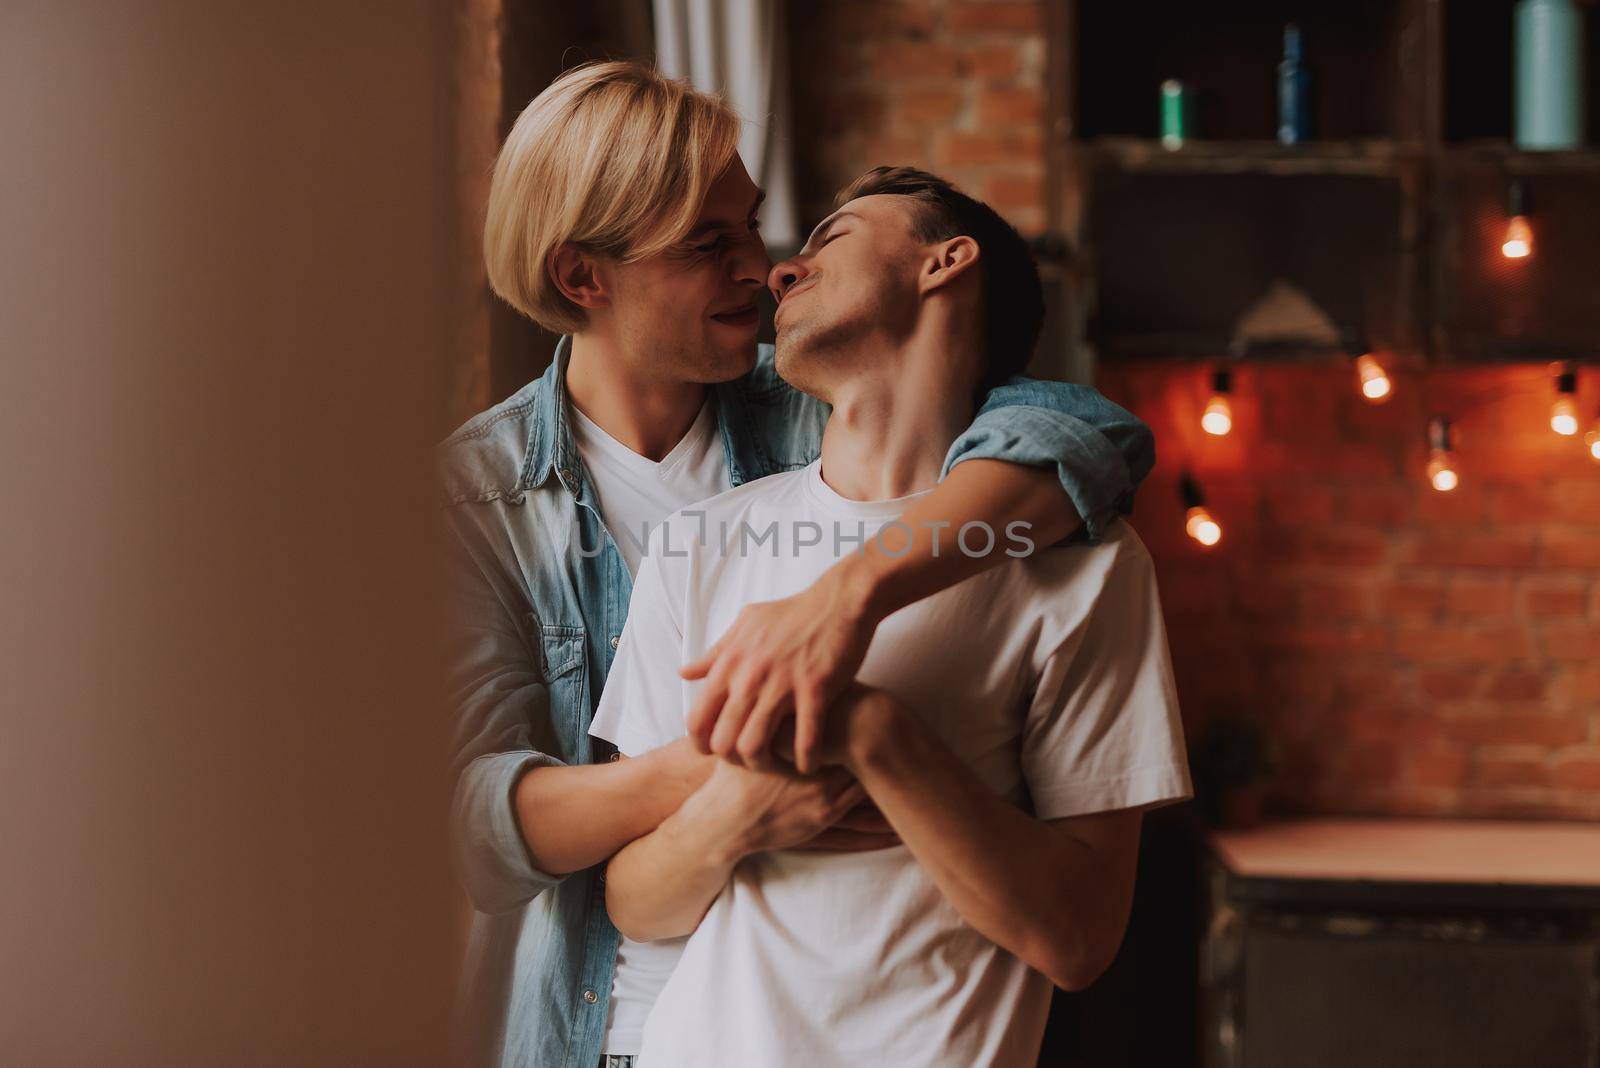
x=1218 y=416
x=1564 y=412
x=1375 y=384
x=1197 y=522
x=1564 y=416
x=1217 y=419
x=1518 y=243
x=1199 y=525
x=1592 y=439
x=1442 y=473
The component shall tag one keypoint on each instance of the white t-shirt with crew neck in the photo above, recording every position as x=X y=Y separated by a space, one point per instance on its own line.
x=636 y=493
x=1048 y=675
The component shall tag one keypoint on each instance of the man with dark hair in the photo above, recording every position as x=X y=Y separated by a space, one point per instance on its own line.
x=1010 y=729
x=1013 y=299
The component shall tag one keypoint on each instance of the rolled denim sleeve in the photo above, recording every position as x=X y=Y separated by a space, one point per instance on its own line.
x=500 y=707
x=1100 y=451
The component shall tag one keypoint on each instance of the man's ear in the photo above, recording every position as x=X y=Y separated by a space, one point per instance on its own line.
x=949 y=261
x=577 y=275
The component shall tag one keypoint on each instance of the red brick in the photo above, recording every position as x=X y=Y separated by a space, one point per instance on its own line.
x=1353 y=597
x=1450 y=684
x=1358 y=684
x=1518 y=684
x=1570 y=641
x=1008 y=192
x=1443 y=766
x=1555 y=596
x=1478 y=595
x=880 y=18
x=1413 y=595
x=1382 y=506
x=1474 y=549
x=992 y=59
x=896 y=60
x=1467 y=641
x=1330 y=545
x=1509 y=726
x=1386 y=721
x=1577 y=770
x=931 y=104
x=1568 y=501
x=1013 y=106
x=1312 y=636
x=1570 y=548
x=1300 y=506
x=1029 y=222
x=961 y=148
x=1299 y=680
x=1462 y=507
x=1488 y=770
x=1577 y=684
x=1194 y=593
x=1369 y=763
x=970 y=17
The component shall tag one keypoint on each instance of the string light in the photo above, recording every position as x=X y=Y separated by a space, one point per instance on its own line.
x=1592 y=439
x=1518 y=243
x=1197 y=522
x=1564 y=412
x=1441 y=460
x=1217 y=419
x=1375 y=384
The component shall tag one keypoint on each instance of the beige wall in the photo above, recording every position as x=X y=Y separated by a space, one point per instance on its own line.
x=222 y=347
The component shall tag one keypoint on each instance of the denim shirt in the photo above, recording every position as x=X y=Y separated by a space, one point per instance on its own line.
x=538 y=599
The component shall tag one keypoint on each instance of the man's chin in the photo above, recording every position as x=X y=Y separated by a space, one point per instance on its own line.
x=729 y=362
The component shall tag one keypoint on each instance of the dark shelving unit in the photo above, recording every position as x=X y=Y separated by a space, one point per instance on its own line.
x=1389 y=221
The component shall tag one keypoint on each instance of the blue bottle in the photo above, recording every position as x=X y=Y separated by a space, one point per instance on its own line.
x=1294 y=91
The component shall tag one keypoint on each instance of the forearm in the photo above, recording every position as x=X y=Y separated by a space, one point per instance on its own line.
x=1013 y=878
x=660 y=885
x=575 y=817
x=1011 y=507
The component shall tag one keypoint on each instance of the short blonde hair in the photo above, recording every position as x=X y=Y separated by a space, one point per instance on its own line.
x=615 y=157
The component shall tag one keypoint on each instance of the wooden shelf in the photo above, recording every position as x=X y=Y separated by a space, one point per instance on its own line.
x=1499 y=155
x=1181 y=345
x=1374 y=158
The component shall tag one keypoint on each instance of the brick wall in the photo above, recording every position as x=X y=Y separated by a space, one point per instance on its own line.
x=953 y=86
x=1412 y=651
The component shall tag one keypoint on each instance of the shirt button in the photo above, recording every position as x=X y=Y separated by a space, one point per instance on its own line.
x=616 y=640
x=590 y=996
x=614 y=757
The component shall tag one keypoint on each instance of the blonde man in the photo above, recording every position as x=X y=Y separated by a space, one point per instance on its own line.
x=621 y=216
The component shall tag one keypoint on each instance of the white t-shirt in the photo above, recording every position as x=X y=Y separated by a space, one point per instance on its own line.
x=635 y=493
x=1048 y=675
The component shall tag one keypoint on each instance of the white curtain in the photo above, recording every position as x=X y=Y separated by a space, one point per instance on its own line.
x=734 y=47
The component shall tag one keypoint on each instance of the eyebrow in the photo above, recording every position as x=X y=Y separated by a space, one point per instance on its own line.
x=827 y=224
x=726 y=224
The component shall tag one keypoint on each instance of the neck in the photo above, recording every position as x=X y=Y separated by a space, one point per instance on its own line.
x=892 y=425
x=646 y=414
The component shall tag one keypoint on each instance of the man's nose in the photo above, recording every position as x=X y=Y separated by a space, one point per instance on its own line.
x=785 y=276
x=752 y=265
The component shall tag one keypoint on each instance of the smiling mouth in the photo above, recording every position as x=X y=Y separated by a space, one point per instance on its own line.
x=748 y=315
